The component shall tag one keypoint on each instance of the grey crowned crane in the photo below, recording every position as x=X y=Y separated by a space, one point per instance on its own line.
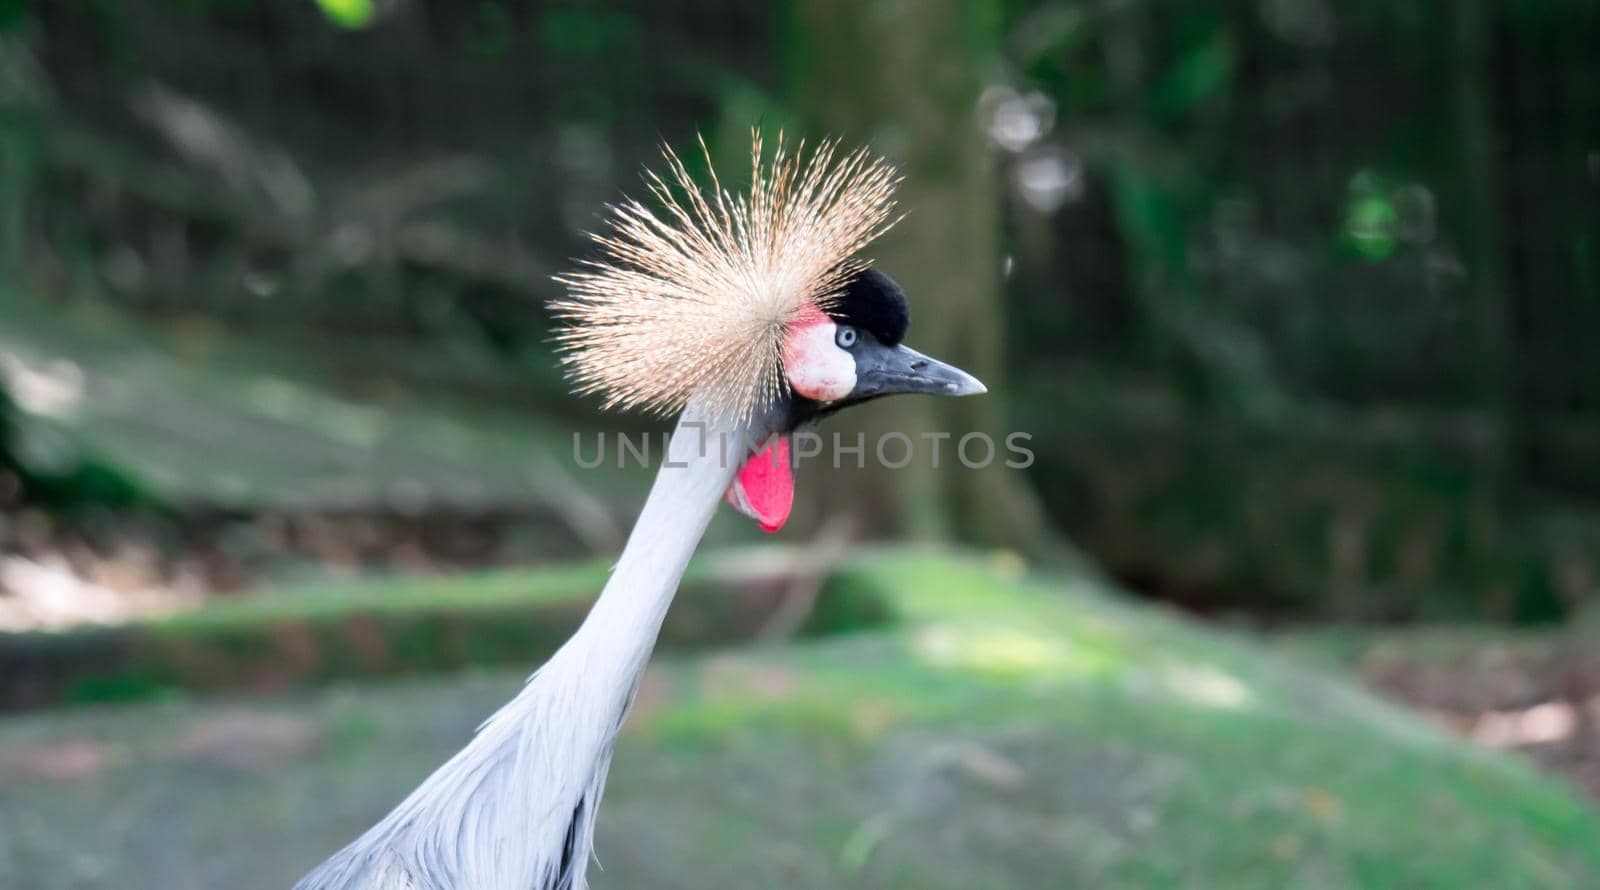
x=750 y=317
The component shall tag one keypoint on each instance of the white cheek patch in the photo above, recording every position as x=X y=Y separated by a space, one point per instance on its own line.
x=815 y=365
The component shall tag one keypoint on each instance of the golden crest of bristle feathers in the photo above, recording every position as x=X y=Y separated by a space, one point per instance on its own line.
x=694 y=297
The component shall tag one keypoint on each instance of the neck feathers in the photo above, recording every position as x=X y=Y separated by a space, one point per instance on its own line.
x=515 y=809
x=700 y=463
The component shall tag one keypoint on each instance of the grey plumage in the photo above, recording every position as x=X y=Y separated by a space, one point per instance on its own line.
x=691 y=309
x=515 y=809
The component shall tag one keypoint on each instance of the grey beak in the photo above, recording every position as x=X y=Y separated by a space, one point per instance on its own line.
x=888 y=370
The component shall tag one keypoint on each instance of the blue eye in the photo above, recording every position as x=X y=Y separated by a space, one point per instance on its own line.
x=846 y=337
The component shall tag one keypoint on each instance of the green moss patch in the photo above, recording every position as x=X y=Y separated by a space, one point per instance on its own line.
x=281 y=639
x=1001 y=730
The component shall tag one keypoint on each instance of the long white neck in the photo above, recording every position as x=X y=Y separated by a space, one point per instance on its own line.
x=616 y=638
x=515 y=809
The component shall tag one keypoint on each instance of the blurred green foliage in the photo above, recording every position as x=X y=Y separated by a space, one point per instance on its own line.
x=1298 y=297
x=347 y=13
x=1322 y=339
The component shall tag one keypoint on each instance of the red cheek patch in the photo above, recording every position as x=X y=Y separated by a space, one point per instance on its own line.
x=764 y=486
x=810 y=315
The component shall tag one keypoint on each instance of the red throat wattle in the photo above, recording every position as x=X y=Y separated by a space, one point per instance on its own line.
x=764 y=486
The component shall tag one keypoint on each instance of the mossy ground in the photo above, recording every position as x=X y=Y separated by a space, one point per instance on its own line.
x=192 y=417
x=1002 y=731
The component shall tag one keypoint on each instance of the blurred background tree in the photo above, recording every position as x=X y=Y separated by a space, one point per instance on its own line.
x=906 y=77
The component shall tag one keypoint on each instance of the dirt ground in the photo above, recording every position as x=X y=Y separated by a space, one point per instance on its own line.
x=1538 y=694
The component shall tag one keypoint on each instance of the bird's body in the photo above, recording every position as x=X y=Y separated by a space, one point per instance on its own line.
x=751 y=315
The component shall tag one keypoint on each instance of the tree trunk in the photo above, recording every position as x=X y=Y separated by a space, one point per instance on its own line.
x=904 y=76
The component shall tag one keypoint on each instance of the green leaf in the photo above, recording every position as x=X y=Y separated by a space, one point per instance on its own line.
x=1370 y=225
x=347 y=13
x=12 y=14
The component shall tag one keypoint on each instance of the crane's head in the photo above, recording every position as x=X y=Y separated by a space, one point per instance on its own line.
x=753 y=307
x=853 y=351
x=849 y=353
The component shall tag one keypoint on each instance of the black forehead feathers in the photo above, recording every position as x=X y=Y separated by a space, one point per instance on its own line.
x=873 y=303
